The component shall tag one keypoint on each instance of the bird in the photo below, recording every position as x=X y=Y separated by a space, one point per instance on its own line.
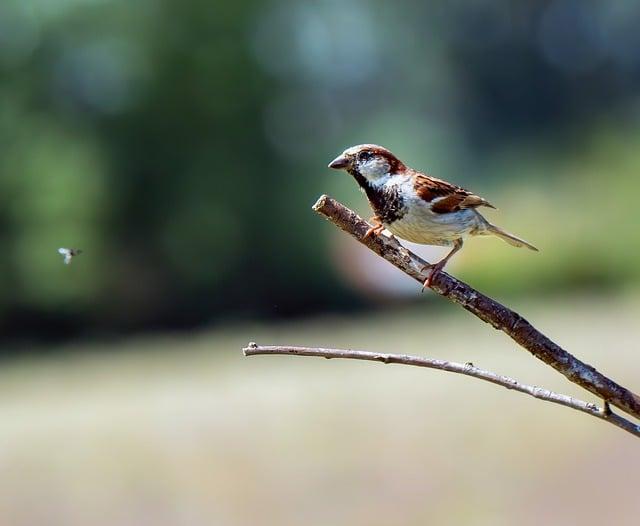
x=418 y=207
x=69 y=254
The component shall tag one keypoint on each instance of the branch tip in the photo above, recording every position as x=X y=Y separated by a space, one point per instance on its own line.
x=252 y=346
x=320 y=203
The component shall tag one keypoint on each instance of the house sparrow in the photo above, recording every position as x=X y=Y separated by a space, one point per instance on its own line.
x=69 y=254
x=415 y=206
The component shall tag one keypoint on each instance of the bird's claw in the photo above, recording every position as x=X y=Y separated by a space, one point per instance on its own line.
x=435 y=269
x=377 y=230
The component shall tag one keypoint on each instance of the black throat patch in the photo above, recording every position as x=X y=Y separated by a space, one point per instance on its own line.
x=386 y=202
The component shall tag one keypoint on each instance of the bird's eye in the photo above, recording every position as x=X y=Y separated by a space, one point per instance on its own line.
x=366 y=156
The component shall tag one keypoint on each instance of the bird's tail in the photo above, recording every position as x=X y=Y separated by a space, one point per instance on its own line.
x=509 y=238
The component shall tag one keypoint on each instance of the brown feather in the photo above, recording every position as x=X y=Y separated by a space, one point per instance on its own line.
x=452 y=197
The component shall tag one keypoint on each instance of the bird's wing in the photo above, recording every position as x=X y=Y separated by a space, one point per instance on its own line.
x=446 y=197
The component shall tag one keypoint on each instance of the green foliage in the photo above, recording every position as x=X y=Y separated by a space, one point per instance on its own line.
x=181 y=144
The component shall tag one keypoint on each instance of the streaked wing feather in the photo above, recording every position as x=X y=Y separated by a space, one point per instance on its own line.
x=446 y=197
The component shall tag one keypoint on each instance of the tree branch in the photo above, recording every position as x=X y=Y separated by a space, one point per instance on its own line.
x=485 y=308
x=467 y=369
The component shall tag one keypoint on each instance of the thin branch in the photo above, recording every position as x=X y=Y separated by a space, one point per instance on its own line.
x=485 y=308
x=467 y=369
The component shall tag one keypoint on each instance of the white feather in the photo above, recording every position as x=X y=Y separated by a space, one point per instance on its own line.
x=421 y=225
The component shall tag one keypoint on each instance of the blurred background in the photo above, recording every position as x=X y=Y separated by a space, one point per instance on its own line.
x=181 y=145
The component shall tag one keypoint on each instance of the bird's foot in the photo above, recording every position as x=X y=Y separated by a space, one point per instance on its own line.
x=376 y=229
x=435 y=269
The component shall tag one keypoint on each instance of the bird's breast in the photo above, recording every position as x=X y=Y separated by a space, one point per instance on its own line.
x=387 y=202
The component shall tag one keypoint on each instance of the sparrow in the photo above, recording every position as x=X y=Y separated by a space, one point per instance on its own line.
x=69 y=254
x=417 y=207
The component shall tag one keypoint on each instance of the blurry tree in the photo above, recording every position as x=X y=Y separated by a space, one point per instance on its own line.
x=180 y=144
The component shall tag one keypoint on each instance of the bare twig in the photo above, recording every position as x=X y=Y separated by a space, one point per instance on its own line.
x=467 y=369
x=485 y=308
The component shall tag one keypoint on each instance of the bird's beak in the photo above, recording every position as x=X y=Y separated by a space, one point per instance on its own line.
x=339 y=162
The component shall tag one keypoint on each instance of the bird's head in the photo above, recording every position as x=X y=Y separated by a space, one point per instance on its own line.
x=373 y=163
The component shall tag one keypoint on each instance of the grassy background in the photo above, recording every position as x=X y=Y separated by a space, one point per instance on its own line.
x=185 y=431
